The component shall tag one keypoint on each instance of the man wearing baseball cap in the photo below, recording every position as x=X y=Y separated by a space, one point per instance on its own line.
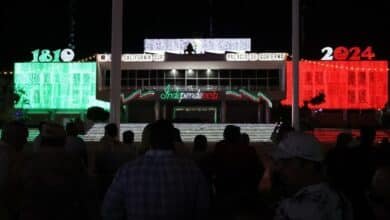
x=298 y=164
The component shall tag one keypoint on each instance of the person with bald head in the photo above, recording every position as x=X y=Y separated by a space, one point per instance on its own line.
x=54 y=180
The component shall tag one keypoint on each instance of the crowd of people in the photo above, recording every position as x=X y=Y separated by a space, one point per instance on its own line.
x=164 y=178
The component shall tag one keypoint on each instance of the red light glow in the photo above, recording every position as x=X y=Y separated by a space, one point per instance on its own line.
x=346 y=84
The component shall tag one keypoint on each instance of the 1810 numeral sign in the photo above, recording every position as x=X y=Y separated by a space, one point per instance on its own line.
x=66 y=55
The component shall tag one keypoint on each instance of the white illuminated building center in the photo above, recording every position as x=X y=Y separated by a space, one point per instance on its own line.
x=197 y=80
x=211 y=45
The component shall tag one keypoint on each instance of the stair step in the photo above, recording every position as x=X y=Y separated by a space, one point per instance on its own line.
x=213 y=132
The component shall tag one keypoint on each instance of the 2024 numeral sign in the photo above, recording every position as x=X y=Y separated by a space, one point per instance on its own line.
x=344 y=53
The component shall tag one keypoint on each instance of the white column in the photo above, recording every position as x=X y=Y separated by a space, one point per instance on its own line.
x=267 y=114
x=164 y=111
x=223 y=111
x=295 y=58
x=259 y=114
x=116 y=55
x=157 y=110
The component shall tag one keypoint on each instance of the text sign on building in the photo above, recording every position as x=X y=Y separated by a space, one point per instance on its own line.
x=170 y=94
x=212 y=45
x=136 y=57
x=256 y=56
x=57 y=86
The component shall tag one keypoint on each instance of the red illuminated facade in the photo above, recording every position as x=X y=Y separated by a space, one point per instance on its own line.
x=346 y=84
x=231 y=88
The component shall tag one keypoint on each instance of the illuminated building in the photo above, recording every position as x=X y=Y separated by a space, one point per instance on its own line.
x=221 y=82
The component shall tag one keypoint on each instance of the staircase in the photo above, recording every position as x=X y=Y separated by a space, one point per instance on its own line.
x=213 y=132
x=329 y=135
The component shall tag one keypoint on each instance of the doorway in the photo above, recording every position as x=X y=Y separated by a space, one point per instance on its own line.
x=192 y=114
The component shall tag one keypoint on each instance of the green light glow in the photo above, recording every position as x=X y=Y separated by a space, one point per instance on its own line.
x=57 y=86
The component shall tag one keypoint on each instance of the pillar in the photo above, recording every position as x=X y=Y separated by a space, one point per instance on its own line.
x=164 y=111
x=295 y=59
x=259 y=114
x=116 y=61
x=157 y=110
x=223 y=111
x=267 y=114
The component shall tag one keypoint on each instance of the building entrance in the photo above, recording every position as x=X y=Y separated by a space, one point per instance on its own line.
x=198 y=114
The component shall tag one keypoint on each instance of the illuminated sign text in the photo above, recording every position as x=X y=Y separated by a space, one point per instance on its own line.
x=143 y=57
x=256 y=56
x=170 y=94
x=200 y=45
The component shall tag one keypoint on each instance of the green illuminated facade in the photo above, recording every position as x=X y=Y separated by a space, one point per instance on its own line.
x=56 y=86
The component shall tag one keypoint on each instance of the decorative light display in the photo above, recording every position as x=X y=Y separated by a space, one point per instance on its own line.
x=6 y=73
x=346 y=84
x=57 y=86
x=256 y=56
x=255 y=97
x=136 y=94
x=170 y=94
x=344 y=53
x=66 y=55
x=212 y=45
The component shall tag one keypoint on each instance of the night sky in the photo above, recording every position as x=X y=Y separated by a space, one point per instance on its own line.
x=42 y=24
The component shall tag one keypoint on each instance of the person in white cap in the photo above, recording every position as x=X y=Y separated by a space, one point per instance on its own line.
x=379 y=194
x=298 y=163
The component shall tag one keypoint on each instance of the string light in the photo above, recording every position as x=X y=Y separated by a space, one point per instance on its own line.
x=328 y=64
x=6 y=73
x=89 y=58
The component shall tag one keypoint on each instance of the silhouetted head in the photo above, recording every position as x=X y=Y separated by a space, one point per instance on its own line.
x=111 y=130
x=41 y=125
x=71 y=129
x=343 y=139
x=15 y=134
x=53 y=135
x=128 y=137
x=245 y=139
x=200 y=143
x=162 y=135
x=178 y=136
x=232 y=134
x=367 y=135
x=145 y=139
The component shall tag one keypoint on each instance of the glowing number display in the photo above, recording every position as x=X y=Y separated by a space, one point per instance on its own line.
x=60 y=86
x=328 y=53
x=341 y=53
x=344 y=53
x=66 y=55
x=368 y=53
